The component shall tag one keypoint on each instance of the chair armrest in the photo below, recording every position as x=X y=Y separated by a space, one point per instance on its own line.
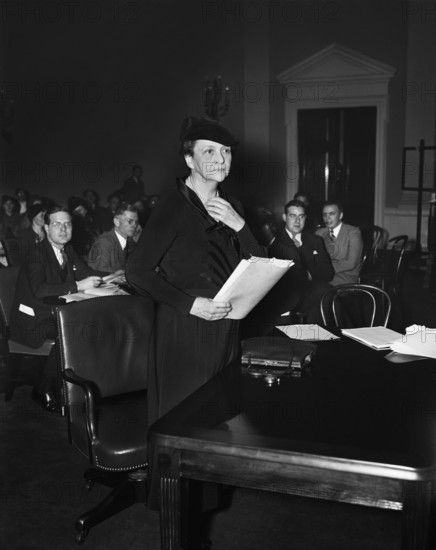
x=89 y=394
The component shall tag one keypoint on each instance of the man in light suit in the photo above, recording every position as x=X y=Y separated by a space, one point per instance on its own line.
x=344 y=244
x=110 y=250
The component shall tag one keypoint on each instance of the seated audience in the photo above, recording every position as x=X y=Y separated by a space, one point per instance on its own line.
x=51 y=270
x=114 y=202
x=29 y=237
x=133 y=189
x=22 y=196
x=303 y=285
x=84 y=234
x=95 y=211
x=344 y=244
x=10 y=219
x=110 y=250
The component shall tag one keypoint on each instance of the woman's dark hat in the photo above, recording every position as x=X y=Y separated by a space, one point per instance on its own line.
x=205 y=128
x=34 y=209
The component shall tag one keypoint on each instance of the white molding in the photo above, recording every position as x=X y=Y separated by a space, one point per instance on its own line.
x=333 y=78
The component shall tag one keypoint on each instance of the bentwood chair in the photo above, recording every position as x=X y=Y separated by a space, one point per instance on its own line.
x=22 y=363
x=374 y=244
x=355 y=305
x=103 y=346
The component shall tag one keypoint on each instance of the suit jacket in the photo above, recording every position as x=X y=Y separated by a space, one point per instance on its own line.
x=310 y=258
x=345 y=252
x=106 y=253
x=42 y=276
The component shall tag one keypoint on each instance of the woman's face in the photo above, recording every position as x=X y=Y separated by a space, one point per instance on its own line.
x=39 y=219
x=8 y=207
x=210 y=160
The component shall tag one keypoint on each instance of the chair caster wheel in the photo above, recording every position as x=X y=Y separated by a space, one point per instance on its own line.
x=81 y=536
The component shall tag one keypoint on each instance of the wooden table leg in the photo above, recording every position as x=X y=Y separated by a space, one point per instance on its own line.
x=416 y=515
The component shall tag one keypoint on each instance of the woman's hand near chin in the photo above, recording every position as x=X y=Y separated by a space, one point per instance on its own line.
x=222 y=211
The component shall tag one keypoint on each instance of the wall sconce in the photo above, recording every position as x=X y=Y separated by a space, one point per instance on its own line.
x=215 y=97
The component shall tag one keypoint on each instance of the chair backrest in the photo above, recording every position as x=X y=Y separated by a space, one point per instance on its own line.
x=355 y=305
x=8 y=281
x=374 y=241
x=394 y=261
x=106 y=341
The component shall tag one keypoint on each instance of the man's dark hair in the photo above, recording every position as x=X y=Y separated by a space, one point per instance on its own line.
x=53 y=210
x=125 y=207
x=334 y=203
x=296 y=203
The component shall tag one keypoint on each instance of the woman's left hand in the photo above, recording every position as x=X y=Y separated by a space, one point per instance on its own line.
x=223 y=211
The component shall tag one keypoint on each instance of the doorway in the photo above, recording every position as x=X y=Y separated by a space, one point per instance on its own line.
x=336 y=157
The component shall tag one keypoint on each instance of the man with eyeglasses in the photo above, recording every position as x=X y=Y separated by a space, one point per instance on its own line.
x=51 y=270
x=111 y=249
x=301 y=288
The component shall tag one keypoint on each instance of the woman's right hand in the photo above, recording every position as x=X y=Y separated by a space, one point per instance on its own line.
x=207 y=309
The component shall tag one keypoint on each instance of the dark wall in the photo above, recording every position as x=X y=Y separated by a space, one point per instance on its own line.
x=99 y=86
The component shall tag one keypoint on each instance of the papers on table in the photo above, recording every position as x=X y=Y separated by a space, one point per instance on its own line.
x=250 y=281
x=375 y=337
x=419 y=341
x=307 y=332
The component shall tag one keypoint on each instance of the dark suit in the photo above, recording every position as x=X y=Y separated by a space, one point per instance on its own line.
x=345 y=252
x=106 y=253
x=42 y=276
x=303 y=284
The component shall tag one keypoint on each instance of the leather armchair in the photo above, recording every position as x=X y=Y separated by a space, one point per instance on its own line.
x=104 y=347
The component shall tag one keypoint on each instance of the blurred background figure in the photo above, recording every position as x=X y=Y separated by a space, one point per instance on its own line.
x=84 y=234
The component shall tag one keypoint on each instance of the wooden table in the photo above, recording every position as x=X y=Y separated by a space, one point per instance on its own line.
x=355 y=429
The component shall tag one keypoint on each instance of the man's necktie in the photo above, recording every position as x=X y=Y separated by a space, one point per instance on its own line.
x=129 y=247
x=297 y=243
x=332 y=235
x=64 y=259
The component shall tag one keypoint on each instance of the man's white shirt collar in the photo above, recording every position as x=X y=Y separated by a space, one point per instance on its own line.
x=58 y=252
x=336 y=230
x=296 y=237
x=122 y=240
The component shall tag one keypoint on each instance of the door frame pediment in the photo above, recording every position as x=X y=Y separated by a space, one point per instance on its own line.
x=338 y=77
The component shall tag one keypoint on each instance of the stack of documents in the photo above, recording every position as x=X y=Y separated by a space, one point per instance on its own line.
x=375 y=337
x=419 y=342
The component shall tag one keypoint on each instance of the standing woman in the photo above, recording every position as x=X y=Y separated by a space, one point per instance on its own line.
x=192 y=242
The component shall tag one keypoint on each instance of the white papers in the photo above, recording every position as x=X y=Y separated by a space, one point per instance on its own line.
x=307 y=332
x=379 y=338
x=104 y=290
x=418 y=340
x=250 y=281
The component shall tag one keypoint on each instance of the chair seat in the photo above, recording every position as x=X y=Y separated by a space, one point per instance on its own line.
x=44 y=350
x=122 y=424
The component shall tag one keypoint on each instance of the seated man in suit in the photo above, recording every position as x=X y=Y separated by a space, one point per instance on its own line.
x=344 y=244
x=302 y=286
x=52 y=269
x=110 y=250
